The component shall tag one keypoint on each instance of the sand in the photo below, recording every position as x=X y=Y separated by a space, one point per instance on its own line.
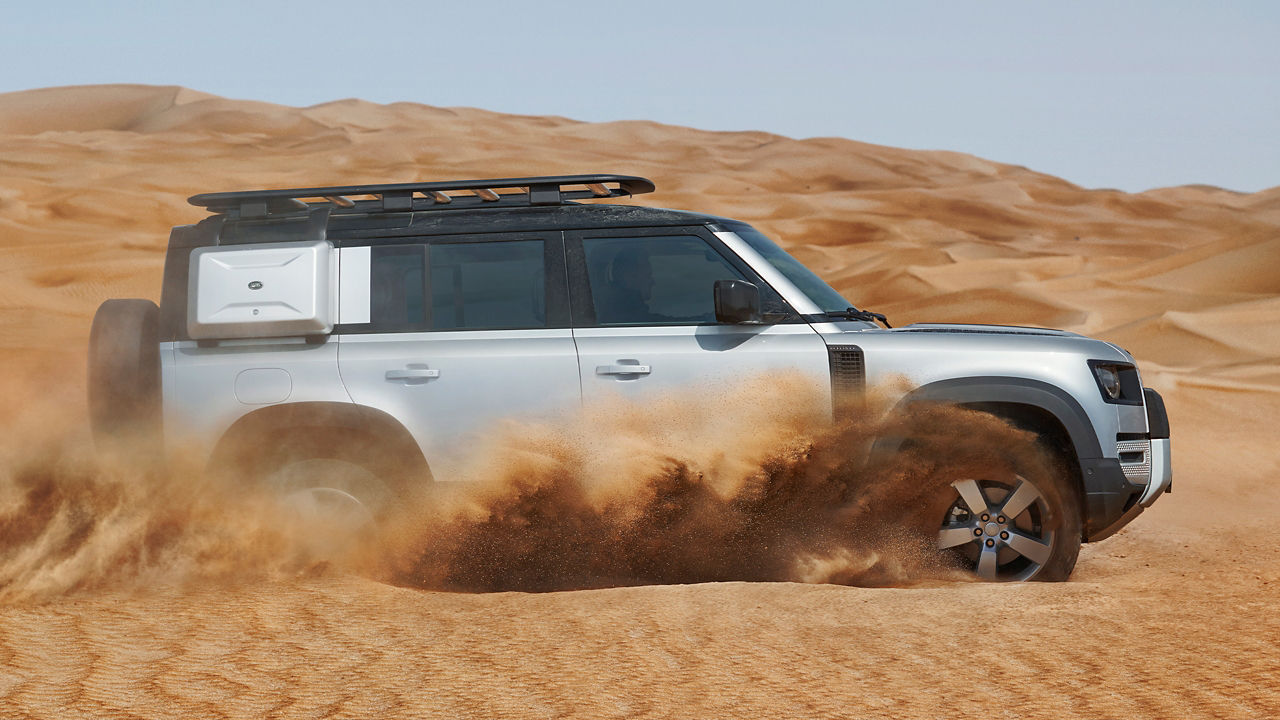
x=1177 y=616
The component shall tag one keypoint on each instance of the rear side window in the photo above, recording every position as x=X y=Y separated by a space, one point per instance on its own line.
x=488 y=285
x=397 y=290
x=458 y=286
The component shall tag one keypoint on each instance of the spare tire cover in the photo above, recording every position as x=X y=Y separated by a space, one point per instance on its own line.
x=124 y=369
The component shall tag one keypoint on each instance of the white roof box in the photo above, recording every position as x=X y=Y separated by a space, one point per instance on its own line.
x=262 y=290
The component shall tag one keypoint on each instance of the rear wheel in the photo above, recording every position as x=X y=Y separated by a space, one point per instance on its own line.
x=335 y=487
x=335 y=503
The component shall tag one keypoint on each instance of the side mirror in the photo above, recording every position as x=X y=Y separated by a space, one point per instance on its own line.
x=737 y=302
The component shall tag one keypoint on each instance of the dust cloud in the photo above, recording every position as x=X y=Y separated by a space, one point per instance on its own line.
x=73 y=520
x=750 y=484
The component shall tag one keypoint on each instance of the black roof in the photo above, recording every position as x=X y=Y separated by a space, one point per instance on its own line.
x=460 y=222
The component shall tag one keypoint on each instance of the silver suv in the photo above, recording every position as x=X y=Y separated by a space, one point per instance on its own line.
x=385 y=326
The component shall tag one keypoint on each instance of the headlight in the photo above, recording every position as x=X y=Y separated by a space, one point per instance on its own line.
x=1118 y=382
x=1108 y=380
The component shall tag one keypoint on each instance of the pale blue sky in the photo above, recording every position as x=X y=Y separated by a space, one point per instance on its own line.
x=1131 y=95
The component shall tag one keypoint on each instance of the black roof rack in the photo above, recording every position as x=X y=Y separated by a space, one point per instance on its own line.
x=528 y=191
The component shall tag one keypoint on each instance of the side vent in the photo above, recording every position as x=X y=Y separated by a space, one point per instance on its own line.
x=848 y=378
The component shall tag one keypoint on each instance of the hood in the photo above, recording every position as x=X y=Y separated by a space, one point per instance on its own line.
x=975 y=329
x=937 y=339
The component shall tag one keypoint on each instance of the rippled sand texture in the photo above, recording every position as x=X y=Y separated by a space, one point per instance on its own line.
x=1178 y=616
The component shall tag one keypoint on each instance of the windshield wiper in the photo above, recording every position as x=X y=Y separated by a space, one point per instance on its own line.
x=856 y=314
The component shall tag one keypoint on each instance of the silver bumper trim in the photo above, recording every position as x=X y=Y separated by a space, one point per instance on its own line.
x=1161 y=472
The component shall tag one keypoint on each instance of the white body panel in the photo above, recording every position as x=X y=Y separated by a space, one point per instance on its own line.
x=449 y=388
x=266 y=290
x=707 y=357
x=353 y=285
x=206 y=389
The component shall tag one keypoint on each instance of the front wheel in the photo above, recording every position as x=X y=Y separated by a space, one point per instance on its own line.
x=1011 y=528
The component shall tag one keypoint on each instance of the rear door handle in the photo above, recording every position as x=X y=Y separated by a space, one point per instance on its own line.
x=622 y=369
x=420 y=373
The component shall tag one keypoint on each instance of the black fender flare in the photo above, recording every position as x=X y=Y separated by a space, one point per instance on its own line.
x=1106 y=493
x=393 y=442
x=1015 y=391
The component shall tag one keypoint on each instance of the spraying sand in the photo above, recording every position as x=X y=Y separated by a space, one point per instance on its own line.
x=135 y=593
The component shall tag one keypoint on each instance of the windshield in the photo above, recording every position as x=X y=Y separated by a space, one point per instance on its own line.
x=822 y=295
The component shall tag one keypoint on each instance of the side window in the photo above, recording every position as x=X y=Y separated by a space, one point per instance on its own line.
x=458 y=286
x=397 y=292
x=659 y=280
x=488 y=285
x=654 y=280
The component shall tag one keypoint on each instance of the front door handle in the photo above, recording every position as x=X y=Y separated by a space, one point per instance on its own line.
x=622 y=369
x=413 y=374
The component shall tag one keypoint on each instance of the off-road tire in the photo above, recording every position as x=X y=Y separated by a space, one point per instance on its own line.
x=1052 y=517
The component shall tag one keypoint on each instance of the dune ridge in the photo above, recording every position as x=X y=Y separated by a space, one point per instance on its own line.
x=917 y=234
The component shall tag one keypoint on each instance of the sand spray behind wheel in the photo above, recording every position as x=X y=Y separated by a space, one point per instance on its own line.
x=752 y=483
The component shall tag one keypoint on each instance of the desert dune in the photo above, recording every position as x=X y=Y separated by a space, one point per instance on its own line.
x=1176 y=616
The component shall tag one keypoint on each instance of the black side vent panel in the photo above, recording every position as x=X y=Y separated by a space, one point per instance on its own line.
x=848 y=377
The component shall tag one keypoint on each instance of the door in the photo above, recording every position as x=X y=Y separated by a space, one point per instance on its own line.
x=451 y=335
x=645 y=323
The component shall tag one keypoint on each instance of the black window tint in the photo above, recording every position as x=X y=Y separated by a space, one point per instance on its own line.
x=470 y=285
x=654 y=280
x=488 y=285
x=396 y=289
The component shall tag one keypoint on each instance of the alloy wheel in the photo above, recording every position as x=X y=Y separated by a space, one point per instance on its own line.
x=1002 y=531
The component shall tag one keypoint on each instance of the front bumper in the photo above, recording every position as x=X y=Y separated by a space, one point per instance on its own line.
x=1117 y=491
x=1145 y=462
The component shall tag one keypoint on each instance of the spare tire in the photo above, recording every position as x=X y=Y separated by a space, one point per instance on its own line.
x=124 y=371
